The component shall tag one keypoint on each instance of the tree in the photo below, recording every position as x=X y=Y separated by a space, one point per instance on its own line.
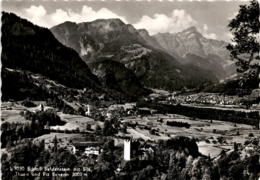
x=88 y=127
x=55 y=143
x=245 y=46
x=124 y=128
x=98 y=128
x=108 y=129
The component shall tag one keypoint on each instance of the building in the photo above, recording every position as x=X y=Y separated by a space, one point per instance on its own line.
x=127 y=149
x=135 y=149
x=42 y=107
x=88 y=111
x=87 y=148
x=109 y=114
x=125 y=107
x=129 y=106
x=146 y=154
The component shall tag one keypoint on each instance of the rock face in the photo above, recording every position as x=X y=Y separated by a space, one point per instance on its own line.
x=195 y=49
x=98 y=37
x=115 y=76
x=135 y=49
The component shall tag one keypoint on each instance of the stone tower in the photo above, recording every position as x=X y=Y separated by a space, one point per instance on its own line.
x=127 y=149
x=88 y=112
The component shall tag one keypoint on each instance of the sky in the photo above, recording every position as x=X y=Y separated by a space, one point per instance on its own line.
x=156 y=16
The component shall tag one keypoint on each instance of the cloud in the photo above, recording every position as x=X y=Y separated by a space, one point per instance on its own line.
x=39 y=15
x=35 y=13
x=176 y=22
x=205 y=33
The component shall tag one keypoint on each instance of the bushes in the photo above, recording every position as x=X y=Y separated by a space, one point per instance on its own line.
x=250 y=118
x=108 y=129
x=181 y=143
x=44 y=117
x=14 y=132
x=178 y=124
x=28 y=103
x=35 y=155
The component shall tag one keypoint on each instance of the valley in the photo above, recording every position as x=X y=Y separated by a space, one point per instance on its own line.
x=102 y=99
x=148 y=127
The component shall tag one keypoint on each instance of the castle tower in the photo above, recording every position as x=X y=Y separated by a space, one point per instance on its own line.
x=127 y=149
x=42 y=107
x=89 y=109
x=88 y=112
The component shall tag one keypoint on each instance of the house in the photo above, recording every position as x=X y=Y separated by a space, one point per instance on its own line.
x=88 y=110
x=249 y=148
x=147 y=153
x=87 y=148
x=129 y=106
x=109 y=115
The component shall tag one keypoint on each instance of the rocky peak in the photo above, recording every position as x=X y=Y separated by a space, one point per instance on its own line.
x=107 y=24
x=191 y=32
x=191 y=29
x=143 y=32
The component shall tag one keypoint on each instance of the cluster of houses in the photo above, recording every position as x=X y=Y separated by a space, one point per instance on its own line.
x=86 y=148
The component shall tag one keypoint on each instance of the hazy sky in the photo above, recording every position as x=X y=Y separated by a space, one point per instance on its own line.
x=210 y=18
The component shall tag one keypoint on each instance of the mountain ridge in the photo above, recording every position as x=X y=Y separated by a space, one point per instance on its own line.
x=191 y=42
x=39 y=52
x=134 y=48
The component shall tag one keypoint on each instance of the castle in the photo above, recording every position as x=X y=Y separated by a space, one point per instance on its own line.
x=127 y=149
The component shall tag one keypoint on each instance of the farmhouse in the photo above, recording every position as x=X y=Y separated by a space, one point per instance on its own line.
x=126 y=106
x=87 y=148
x=147 y=153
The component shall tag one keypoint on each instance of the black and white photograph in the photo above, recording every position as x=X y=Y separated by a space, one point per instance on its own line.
x=130 y=90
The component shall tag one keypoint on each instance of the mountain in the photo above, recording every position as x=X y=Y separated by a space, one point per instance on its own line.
x=30 y=47
x=195 y=49
x=38 y=51
x=102 y=36
x=135 y=49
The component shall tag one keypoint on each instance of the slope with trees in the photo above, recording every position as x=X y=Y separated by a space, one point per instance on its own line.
x=30 y=47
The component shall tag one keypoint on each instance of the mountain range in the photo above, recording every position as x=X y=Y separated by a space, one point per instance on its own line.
x=30 y=48
x=153 y=64
x=109 y=54
x=193 y=48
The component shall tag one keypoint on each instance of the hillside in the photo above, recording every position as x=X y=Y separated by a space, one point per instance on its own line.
x=115 y=76
x=30 y=47
x=138 y=51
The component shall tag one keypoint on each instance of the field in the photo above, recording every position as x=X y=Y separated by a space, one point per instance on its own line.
x=10 y=112
x=74 y=122
x=213 y=136
x=63 y=139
